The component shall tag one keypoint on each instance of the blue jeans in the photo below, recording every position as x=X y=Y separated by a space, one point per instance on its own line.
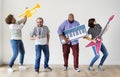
x=17 y=46
x=105 y=54
x=39 y=49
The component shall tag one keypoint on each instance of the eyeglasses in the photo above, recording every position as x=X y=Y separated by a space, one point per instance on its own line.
x=40 y=22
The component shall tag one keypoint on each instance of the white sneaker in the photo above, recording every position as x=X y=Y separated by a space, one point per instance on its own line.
x=91 y=69
x=22 y=67
x=65 y=68
x=77 y=69
x=10 y=70
x=100 y=68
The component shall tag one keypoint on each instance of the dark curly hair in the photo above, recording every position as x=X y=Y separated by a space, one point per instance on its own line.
x=91 y=22
x=9 y=18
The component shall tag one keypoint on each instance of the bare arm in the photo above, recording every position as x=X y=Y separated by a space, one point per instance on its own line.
x=32 y=38
x=89 y=39
x=48 y=37
x=66 y=39
x=25 y=19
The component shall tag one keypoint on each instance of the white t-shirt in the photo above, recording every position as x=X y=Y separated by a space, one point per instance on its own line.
x=15 y=30
x=41 y=41
x=41 y=33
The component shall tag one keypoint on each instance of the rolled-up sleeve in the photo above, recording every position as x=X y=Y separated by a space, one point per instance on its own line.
x=61 y=28
x=20 y=24
x=78 y=23
x=20 y=21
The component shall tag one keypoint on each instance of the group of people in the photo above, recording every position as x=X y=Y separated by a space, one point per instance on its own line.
x=41 y=35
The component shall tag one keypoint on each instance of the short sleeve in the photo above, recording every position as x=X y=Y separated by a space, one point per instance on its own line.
x=77 y=23
x=47 y=29
x=99 y=26
x=89 y=31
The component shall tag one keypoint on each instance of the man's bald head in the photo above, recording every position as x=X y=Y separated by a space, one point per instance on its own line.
x=71 y=18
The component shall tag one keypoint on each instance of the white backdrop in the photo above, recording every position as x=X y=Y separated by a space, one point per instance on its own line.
x=0 y=32
x=54 y=13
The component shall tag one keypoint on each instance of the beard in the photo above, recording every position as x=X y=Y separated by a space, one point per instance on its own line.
x=71 y=21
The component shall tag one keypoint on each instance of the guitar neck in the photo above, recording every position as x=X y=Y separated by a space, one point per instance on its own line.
x=103 y=31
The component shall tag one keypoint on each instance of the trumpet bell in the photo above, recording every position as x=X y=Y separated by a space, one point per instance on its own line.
x=37 y=6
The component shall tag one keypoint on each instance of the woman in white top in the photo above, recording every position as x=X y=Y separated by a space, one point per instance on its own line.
x=16 y=40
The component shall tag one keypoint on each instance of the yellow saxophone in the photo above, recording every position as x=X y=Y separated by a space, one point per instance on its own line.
x=29 y=12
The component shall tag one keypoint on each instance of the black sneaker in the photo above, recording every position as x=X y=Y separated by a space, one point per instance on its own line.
x=77 y=69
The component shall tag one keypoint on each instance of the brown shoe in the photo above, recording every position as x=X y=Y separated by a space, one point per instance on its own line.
x=36 y=70
x=48 y=69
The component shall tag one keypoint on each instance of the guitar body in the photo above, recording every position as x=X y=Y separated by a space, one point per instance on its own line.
x=97 y=44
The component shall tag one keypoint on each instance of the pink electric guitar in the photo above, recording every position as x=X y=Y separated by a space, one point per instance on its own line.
x=99 y=37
